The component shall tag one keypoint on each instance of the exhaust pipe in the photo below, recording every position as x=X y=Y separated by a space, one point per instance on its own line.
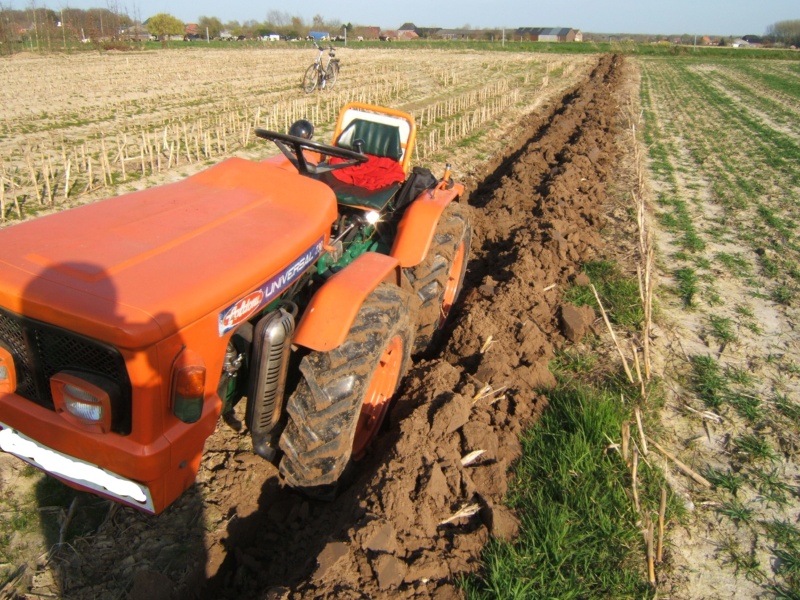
x=272 y=343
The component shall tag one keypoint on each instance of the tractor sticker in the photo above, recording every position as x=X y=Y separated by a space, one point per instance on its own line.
x=245 y=307
x=241 y=310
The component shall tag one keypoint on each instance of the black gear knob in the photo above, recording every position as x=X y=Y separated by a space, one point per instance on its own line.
x=302 y=129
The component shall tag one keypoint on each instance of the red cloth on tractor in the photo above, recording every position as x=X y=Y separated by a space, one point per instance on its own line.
x=376 y=173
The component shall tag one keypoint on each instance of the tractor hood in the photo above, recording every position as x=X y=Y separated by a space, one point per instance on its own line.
x=134 y=269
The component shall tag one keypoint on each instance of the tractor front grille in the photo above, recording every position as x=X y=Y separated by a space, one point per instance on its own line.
x=41 y=350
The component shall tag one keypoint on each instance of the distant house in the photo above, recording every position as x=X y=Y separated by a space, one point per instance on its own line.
x=319 y=36
x=191 y=31
x=407 y=32
x=134 y=33
x=455 y=34
x=18 y=32
x=408 y=27
x=367 y=32
x=406 y=35
x=549 y=34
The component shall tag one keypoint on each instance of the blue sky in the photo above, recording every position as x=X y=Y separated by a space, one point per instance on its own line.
x=722 y=17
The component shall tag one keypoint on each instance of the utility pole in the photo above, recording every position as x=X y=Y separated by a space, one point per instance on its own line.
x=63 y=29
x=35 y=26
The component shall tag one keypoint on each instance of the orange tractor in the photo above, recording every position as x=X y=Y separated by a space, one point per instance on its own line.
x=302 y=284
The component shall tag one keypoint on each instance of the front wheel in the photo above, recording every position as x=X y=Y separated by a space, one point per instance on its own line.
x=437 y=280
x=344 y=395
x=310 y=79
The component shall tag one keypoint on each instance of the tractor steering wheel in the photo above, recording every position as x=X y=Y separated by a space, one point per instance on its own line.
x=292 y=148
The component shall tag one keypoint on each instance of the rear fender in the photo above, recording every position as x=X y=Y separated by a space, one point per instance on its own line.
x=331 y=312
x=415 y=231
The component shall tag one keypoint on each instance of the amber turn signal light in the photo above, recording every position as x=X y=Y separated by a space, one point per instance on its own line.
x=188 y=387
x=8 y=375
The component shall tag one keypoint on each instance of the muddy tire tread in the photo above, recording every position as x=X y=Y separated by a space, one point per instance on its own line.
x=428 y=279
x=324 y=408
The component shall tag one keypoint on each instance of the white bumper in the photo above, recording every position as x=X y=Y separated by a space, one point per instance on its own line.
x=72 y=469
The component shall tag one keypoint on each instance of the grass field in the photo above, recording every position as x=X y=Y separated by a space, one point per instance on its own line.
x=724 y=143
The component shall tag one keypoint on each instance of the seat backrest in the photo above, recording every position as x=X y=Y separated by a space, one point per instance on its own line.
x=380 y=115
x=380 y=139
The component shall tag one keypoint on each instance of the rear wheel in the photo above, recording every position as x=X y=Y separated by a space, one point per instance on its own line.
x=344 y=395
x=310 y=79
x=438 y=279
x=330 y=76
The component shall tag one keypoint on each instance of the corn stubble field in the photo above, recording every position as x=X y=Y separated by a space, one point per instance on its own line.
x=721 y=141
x=76 y=125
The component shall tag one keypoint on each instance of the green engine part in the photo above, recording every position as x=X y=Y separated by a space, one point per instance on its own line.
x=363 y=242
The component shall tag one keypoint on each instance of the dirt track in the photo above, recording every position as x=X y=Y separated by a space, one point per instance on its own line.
x=239 y=534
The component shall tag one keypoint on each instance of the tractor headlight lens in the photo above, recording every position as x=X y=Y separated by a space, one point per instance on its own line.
x=82 y=403
x=84 y=399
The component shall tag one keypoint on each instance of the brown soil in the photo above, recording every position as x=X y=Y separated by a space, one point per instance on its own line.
x=395 y=531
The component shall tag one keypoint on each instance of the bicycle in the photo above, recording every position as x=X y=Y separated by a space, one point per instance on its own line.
x=319 y=75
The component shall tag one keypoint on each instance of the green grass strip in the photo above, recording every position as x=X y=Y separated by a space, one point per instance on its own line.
x=579 y=536
x=619 y=293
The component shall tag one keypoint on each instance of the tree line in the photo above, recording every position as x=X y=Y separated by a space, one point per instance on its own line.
x=278 y=22
x=786 y=33
x=45 y=28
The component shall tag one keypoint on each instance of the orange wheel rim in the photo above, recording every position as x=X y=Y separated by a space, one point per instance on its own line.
x=453 y=283
x=379 y=394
